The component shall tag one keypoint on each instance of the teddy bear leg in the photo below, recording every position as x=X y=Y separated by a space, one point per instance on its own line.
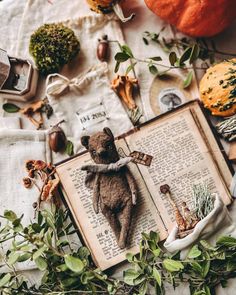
x=125 y=220
x=113 y=221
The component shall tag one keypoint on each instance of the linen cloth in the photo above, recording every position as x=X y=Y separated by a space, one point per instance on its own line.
x=37 y=12
x=16 y=147
x=87 y=104
x=10 y=122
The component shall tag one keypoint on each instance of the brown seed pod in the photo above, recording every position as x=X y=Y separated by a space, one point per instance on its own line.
x=57 y=139
x=103 y=48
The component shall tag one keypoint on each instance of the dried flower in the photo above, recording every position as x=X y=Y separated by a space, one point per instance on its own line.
x=27 y=182
x=29 y=165
x=39 y=165
x=164 y=188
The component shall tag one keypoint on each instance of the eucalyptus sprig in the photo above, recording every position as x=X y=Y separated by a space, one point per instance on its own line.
x=68 y=269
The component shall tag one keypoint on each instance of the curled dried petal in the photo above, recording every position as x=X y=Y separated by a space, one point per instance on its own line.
x=31 y=173
x=39 y=165
x=49 y=189
x=27 y=182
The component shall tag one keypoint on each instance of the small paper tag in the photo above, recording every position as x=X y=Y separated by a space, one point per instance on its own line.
x=141 y=158
x=92 y=116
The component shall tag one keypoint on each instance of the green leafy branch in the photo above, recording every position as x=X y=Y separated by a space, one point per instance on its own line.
x=207 y=48
x=192 y=50
x=156 y=68
x=68 y=269
x=204 y=267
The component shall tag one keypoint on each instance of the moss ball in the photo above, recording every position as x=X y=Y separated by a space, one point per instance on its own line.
x=52 y=46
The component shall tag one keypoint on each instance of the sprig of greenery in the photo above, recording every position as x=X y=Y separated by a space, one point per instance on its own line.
x=207 y=48
x=156 y=68
x=46 y=243
x=192 y=50
x=68 y=269
x=204 y=267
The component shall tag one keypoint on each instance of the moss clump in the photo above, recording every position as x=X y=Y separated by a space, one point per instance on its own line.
x=52 y=46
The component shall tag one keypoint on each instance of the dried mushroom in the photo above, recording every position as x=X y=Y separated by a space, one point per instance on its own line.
x=35 y=108
x=123 y=86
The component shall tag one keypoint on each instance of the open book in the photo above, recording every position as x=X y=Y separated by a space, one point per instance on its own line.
x=184 y=152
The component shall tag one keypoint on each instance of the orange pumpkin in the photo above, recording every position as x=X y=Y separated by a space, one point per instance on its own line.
x=196 y=18
x=107 y=6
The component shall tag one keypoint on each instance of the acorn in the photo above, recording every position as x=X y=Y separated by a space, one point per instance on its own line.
x=103 y=48
x=57 y=138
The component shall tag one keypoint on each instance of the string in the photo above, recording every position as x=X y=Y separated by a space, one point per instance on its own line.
x=122 y=153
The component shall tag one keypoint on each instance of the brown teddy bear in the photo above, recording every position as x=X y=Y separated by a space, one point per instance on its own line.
x=114 y=187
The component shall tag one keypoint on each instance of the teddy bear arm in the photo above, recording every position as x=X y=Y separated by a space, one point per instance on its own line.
x=96 y=194
x=132 y=185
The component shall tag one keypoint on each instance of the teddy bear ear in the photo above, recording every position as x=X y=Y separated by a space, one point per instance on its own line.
x=85 y=141
x=108 y=132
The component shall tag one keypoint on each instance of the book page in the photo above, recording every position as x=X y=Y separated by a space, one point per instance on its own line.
x=181 y=159
x=95 y=228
